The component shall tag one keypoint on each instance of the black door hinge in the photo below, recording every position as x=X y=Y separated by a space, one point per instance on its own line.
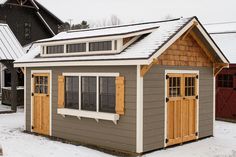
x=167 y=77
x=32 y=127
x=167 y=140
x=196 y=133
x=32 y=76
x=167 y=99
x=197 y=97
x=32 y=94
x=197 y=77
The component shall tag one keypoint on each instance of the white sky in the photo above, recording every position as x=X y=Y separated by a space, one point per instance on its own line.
x=207 y=11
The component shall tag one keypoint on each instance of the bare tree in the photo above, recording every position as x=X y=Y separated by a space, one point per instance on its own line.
x=114 y=20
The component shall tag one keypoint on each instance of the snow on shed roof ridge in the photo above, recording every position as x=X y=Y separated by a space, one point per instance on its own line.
x=122 y=25
x=107 y=31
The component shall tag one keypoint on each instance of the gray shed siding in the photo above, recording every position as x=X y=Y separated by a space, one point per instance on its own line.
x=154 y=109
x=104 y=133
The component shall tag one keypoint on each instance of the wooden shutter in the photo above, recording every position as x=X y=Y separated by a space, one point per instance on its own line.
x=61 y=91
x=120 y=95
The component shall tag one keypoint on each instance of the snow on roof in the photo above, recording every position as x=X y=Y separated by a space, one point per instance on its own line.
x=221 y=27
x=224 y=34
x=227 y=43
x=98 y=32
x=2 y=1
x=141 y=49
x=10 y=48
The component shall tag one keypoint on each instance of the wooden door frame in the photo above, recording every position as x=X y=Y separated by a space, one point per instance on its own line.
x=50 y=97
x=197 y=101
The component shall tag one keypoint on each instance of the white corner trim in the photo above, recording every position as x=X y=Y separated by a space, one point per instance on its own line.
x=214 y=103
x=92 y=74
x=50 y=103
x=25 y=97
x=89 y=114
x=165 y=83
x=139 y=114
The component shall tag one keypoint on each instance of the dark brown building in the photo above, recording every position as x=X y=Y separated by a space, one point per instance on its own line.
x=29 y=20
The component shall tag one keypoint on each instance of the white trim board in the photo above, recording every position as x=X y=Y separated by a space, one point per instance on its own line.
x=25 y=76
x=89 y=114
x=139 y=112
x=92 y=74
x=83 y=63
x=165 y=83
x=50 y=103
x=214 y=102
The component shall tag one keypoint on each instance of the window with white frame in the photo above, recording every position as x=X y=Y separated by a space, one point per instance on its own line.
x=88 y=93
x=55 y=49
x=81 y=48
x=72 y=92
x=91 y=93
x=100 y=46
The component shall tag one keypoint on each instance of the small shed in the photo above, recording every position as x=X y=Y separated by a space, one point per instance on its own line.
x=132 y=88
x=224 y=35
x=10 y=50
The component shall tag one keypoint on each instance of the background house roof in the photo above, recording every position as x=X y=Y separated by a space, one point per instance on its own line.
x=10 y=48
x=39 y=8
x=224 y=34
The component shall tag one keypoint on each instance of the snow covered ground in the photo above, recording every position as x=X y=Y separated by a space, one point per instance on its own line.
x=15 y=143
x=4 y=107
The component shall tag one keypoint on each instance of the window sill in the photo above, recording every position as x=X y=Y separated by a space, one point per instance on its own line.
x=89 y=114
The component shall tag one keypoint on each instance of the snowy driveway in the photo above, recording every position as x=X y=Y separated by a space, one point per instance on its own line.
x=18 y=144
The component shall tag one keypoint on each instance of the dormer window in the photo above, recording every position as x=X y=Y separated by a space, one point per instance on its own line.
x=55 y=49
x=80 y=47
x=100 y=46
x=86 y=47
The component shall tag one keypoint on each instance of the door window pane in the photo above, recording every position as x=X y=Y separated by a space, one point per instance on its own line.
x=41 y=84
x=88 y=95
x=107 y=94
x=72 y=92
x=190 y=86
x=174 y=86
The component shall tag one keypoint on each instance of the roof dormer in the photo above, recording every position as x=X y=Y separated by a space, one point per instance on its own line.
x=108 y=40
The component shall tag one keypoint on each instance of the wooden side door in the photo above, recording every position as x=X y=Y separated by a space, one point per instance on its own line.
x=174 y=108
x=189 y=107
x=41 y=101
x=181 y=108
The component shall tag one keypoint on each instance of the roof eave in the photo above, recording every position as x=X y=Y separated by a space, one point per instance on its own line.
x=120 y=62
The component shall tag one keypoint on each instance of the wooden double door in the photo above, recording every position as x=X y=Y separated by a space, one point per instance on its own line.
x=41 y=103
x=182 y=96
